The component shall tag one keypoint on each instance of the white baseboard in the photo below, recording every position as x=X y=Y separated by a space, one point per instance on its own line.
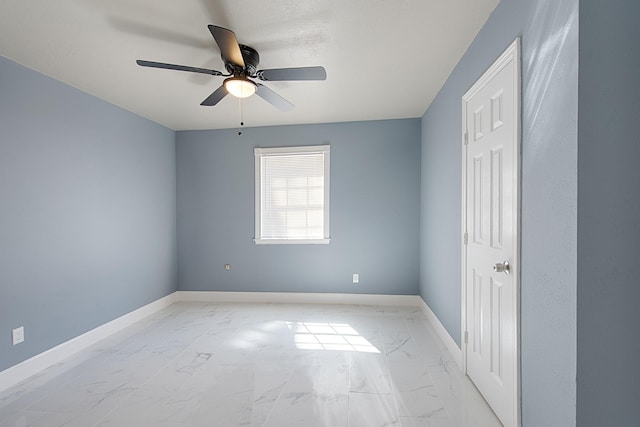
x=39 y=362
x=451 y=345
x=299 y=298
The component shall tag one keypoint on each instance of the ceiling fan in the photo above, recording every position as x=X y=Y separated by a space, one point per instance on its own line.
x=241 y=63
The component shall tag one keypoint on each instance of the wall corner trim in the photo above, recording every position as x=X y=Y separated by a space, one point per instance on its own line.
x=26 y=369
x=448 y=341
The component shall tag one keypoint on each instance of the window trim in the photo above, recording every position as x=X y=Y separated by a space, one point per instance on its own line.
x=259 y=152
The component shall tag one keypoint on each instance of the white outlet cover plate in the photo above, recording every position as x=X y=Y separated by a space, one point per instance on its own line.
x=356 y=278
x=18 y=335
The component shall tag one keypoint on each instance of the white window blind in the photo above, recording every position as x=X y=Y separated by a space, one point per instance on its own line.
x=292 y=194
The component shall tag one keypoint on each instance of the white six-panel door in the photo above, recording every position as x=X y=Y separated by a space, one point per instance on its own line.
x=490 y=223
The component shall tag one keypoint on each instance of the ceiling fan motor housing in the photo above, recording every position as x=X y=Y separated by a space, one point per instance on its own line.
x=251 y=60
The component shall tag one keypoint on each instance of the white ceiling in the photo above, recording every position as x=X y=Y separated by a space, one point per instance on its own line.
x=384 y=59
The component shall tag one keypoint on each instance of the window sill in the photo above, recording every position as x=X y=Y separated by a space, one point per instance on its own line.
x=292 y=241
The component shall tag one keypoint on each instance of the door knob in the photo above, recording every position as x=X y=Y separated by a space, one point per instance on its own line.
x=502 y=267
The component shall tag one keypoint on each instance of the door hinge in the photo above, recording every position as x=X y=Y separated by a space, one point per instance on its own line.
x=466 y=337
x=466 y=138
x=466 y=238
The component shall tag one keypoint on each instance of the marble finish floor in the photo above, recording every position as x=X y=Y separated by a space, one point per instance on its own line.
x=209 y=364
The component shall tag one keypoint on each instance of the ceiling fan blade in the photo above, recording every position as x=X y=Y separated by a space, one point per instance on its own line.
x=178 y=67
x=273 y=98
x=215 y=97
x=286 y=74
x=228 y=44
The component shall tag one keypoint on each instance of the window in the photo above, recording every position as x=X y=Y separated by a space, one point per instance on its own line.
x=292 y=194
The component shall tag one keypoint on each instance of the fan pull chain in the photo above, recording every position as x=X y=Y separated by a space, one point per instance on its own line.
x=241 y=116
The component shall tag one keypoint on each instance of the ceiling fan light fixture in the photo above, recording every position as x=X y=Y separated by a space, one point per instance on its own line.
x=240 y=87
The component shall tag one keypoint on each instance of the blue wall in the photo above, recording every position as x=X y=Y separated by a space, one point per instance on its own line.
x=87 y=212
x=549 y=31
x=609 y=214
x=375 y=193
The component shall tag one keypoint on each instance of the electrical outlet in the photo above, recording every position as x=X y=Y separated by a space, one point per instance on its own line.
x=227 y=266
x=18 y=335
x=356 y=278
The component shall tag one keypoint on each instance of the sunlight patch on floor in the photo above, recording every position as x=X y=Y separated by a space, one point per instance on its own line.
x=329 y=336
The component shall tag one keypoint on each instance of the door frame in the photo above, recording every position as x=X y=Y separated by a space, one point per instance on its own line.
x=511 y=54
